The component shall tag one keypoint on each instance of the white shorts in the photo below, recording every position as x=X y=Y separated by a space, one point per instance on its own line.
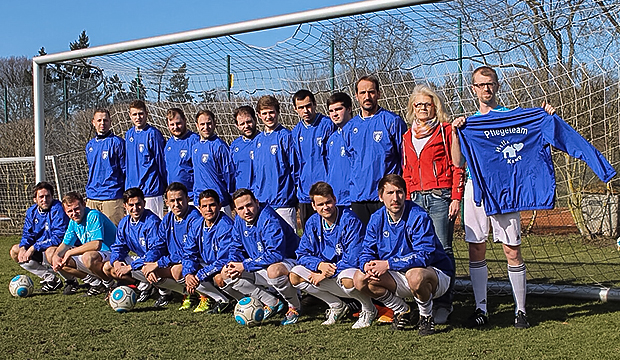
x=289 y=214
x=402 y=285
x=261 y=278
x=304 y=273
x=155 y=204
x=506 y=227
x=79 y=264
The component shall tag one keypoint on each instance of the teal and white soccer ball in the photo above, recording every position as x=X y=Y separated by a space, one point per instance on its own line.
x=21 y=286
x=248 y=311
x=122 y=299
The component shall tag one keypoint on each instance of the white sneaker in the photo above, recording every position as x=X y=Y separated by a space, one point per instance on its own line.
x=365 y=319
x=440 y=314
x=335 y=314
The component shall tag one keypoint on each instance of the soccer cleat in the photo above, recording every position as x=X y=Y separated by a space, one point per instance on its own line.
x=96 y=290
x=426 y=325
x=521 y=320
x=203 y=305
x=477 y=319
x=145 y=294
x=272 y=310
x=385 y=315
x=335 y=314
x=365 y=319
x=53 y=285
x=71 y=287
x=441 y=314
x=219 y=307
x=163 y=300
x=401 y=320
x=291 y=317
x=187 y=302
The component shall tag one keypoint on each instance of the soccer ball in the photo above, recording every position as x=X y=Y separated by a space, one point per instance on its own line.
x=122 y=299
x=248 y=311
x=21 y=286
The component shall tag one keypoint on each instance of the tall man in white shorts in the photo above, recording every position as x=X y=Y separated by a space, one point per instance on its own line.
x=327 y=257
x=506 y=227
x=402 y=257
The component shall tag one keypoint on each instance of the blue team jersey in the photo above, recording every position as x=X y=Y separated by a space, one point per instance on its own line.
x=146 y=166
x=339 y=244
x=510 y=162
x=374 y=145
x=172 y=236
x=411 y=242
x=213 y=168
x=95 y=226
x=43 y=229
x=105 y=156
x=242 y=155
x=206 y=249
x=274 y=168
x=309 y=142
x=178 y=157
x=339 y=168
x=268 y=241
x=137 y=237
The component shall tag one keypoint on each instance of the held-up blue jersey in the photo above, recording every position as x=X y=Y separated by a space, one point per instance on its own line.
x=146 y=166
x=213 y=169
x=339 y=244
x=268 y=241
x=409 y=243
x=374 y=145
x=178 y=157
x=95 y=226
x=172 y=235
x=137 y=237
x=43 y=229
x=339 y=168
x=242 y=155
x=509 y=158
x=274 y=168
x=310 y=142
x=105 y=156
x=206 y=248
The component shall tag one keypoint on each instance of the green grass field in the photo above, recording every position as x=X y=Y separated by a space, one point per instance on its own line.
x=79 y=327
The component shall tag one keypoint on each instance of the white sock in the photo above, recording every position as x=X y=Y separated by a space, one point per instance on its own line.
x=206 y=288
x=479 y=274
x=284 y=287
x=426 y=308
x=393 y=302
x=364 y=299
x=331 y=300
x=518 y=280
x=248 y=288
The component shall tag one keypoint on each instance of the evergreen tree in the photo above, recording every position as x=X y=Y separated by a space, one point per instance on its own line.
x=137 y=90
x=179 y=83
x=81 y=43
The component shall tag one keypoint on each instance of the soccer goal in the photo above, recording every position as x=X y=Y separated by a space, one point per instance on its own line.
x=563 y=52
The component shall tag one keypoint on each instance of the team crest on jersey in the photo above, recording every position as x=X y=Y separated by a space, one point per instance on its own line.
x=245 y=233
x=355 y=130
x=273 y=149
x=183 y=153
x=236 y=149
x=343 y=152
x=204 y=158
x=510 y=151
x=90 y=149
x=319 y=141
x=169 y=148
x=142 y=242
x=259 y=246
x=36 y=221
x=377 y=135
x=386 y=234
x=338 y=249
x=184 y=238
x=131 y=139
x=141 y=148
x=301 y=138
x=258 y=145
x=104 y=155
x=251 y=154
x=47 y=226
x=331 y=143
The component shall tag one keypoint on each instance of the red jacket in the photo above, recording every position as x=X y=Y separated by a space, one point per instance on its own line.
x=434 y=168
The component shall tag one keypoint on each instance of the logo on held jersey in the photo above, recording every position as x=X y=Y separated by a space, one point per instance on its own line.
x=510 y=151
x=183 y=154
x=104 y=155
x=338 y=249
x=386 y=234
x=205 y=158
x=141 y=148
x=251 y=154
x=319 y=141
x=259 y=246
x=184 y=238
x=142 y=242
x=377 y=135
x=273 y=149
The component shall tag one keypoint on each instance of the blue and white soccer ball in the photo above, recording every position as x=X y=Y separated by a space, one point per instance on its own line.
x=248 y=311
x=122 y=299
x=21 y=286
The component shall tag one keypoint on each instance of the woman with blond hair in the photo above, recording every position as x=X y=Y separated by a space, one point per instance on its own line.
x=433 y=180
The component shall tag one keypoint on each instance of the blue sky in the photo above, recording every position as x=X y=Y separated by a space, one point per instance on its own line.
x=28 y=25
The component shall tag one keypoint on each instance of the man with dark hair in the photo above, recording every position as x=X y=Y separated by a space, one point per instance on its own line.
x=309 y=141
x=105 y=154
x=146 y=166
x=402 y=257
x=327 y=257
x=336 y=156
x=213 y=168
x=275 y=162
x=242 y=148
x=85 y=246
x=44 y=227
x=178 y=153
x=373 y=141
x=260 y=255
x=206 y=253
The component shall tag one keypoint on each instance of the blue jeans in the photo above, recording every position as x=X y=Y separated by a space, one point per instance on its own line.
x=437 y=206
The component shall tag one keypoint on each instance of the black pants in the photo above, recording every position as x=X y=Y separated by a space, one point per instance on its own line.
x=363 y=209
x=305 y=211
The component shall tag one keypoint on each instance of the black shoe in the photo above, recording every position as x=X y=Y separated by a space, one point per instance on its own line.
x=163 y=300
x=53 y=285
x=426 y=325
x=146 y=294
x=96 y=290
x=521 y=320
x=71 y=287
x=477 y=319
x=219 y=307
x=400 y=320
